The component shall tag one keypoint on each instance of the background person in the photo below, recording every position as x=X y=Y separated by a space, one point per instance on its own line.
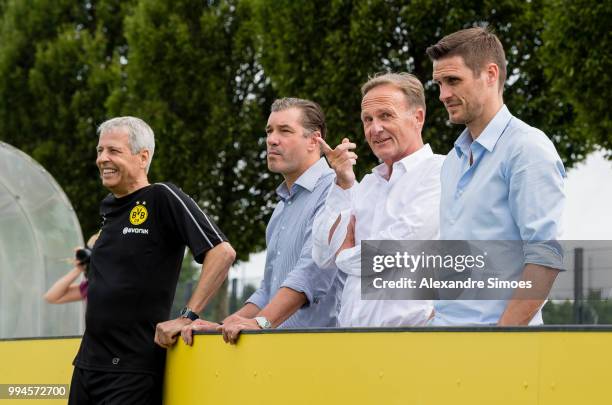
x=502 y=181
x=134 y=270
x=294 y=293
x=65 y=289
x=399 y=200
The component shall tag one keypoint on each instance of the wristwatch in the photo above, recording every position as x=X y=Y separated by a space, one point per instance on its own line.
x=189 y=314
x=263 y=322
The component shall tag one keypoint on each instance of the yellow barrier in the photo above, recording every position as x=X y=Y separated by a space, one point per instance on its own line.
x=420 y=366
x=37 y=361
x=394 y=367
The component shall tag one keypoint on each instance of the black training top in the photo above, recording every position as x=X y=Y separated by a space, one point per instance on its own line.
x=135 y=264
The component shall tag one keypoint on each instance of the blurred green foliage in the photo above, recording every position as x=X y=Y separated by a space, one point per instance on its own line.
x=594 y=309
x=204 y=73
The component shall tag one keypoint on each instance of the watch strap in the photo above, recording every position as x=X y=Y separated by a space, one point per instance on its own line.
x=189 y=314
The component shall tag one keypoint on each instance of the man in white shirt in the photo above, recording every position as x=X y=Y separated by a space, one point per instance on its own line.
x=398 y=201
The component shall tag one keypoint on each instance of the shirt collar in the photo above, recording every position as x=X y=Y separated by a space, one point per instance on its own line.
x=462 y=144
x=407 y=162
x=308 y=180
x=489 y=137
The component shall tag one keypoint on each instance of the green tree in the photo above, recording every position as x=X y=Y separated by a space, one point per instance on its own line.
x=578 y=60
x=324 y=50
x=561 y=313
x=192 y=73
x=595 y=310
x=188 y=279
x=58 y=64
x=203 y=74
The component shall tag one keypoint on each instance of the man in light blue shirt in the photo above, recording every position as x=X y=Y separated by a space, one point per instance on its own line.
x=502 y=181
x=294 y=293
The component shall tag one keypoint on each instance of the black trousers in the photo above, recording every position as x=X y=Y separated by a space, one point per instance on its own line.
x=89 y=387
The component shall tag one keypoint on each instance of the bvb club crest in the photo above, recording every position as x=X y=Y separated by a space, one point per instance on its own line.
x=139 y=213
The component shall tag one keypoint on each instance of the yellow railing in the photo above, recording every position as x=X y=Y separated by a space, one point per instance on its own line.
x=548 y=366
x=37 y=361
x=488 y=366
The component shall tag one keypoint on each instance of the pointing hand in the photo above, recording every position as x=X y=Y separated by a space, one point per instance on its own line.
x=341 y=159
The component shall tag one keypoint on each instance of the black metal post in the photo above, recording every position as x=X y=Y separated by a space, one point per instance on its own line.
x=234 y=296
x=578 y=285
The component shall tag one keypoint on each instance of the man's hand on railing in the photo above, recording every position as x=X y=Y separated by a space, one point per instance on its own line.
x=197 y=325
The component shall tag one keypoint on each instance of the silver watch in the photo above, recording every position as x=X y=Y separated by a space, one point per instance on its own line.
x=263 y=322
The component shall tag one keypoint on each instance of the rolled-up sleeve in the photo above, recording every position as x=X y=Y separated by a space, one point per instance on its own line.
x=537 y=199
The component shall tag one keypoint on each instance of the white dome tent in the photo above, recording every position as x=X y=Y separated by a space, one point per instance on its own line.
x=38 y=233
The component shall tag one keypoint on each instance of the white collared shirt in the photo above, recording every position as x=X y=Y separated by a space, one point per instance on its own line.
x=404 y=207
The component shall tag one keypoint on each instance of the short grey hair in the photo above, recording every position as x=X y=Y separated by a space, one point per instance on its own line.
x=407 y=83
x=140 y=134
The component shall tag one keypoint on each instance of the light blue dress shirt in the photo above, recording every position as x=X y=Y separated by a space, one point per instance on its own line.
x=513 y=191
x=289 y=252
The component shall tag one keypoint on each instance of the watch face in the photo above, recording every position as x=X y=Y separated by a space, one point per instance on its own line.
x=263 y=322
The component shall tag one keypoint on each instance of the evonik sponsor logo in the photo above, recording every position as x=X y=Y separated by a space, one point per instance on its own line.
x=127 y=230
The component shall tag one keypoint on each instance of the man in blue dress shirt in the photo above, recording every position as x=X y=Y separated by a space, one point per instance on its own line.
x=294 y=293
x=502 y=181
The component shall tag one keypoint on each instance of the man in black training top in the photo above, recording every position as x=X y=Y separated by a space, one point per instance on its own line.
x=134 y=269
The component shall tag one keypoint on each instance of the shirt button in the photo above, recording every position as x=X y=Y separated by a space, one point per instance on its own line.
x=278 y=253
x=289 y=202
x=282 y=228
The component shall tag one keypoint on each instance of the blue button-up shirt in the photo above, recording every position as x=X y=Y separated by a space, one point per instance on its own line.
x=289 y=251
x=512 y=191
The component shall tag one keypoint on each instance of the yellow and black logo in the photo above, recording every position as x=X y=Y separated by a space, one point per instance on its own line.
x=138 y=214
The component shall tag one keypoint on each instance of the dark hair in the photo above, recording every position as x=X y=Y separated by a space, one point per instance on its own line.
x=477 y=46
x=313 y=118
